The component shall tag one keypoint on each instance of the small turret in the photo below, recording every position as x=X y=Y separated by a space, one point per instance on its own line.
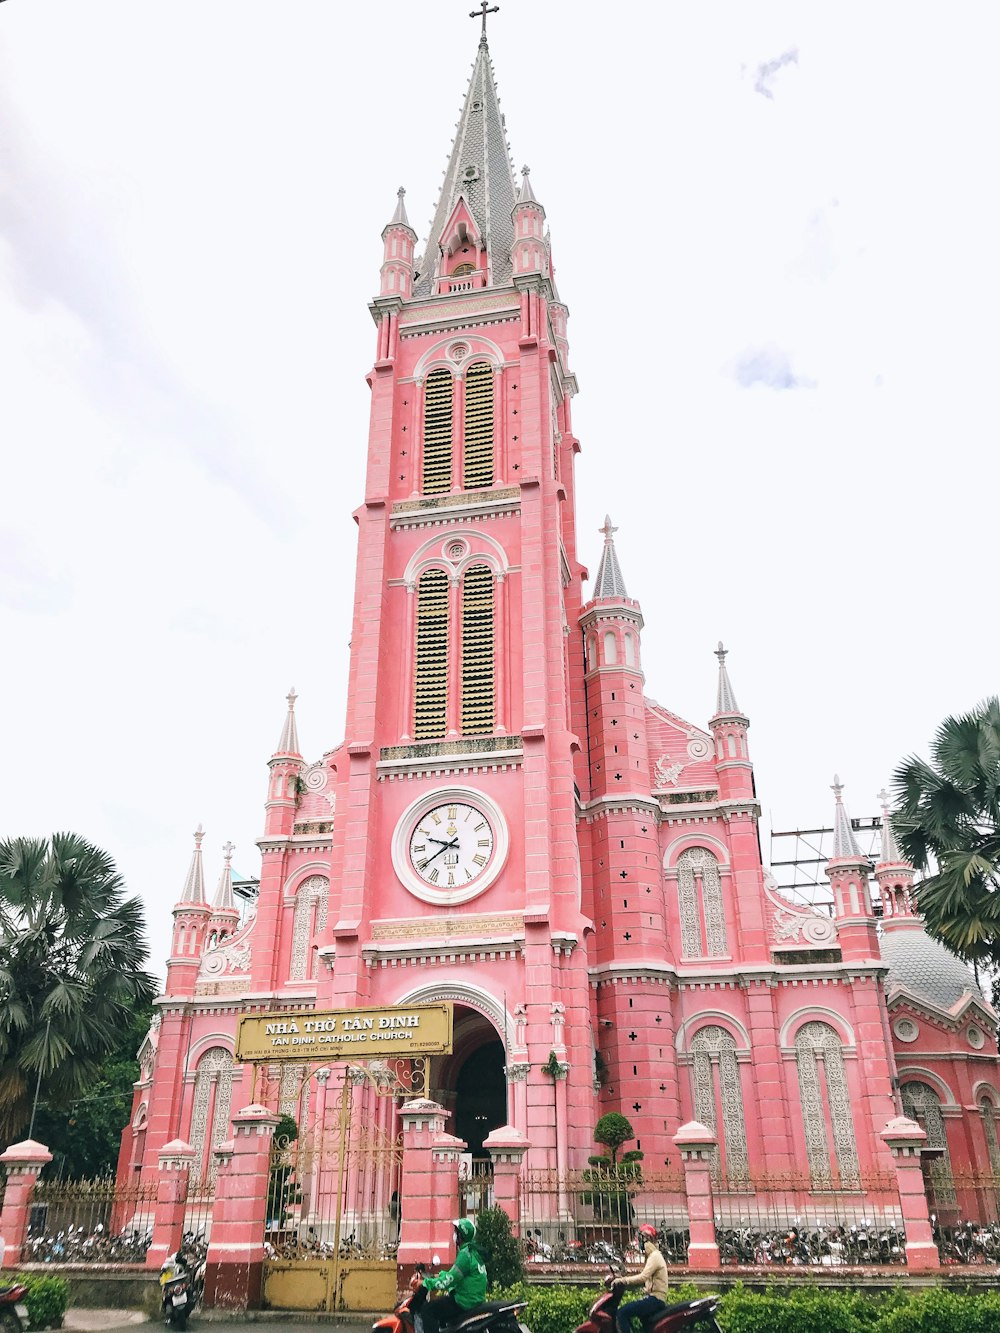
x=729 y=725
x=894 y=876
x=286 y=766
x=847 y=870
x=398 y=241
x=529 y=253
x=191 y=916
x=225 y=914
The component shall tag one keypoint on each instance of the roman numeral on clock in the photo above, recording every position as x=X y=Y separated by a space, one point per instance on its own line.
x=480 y=860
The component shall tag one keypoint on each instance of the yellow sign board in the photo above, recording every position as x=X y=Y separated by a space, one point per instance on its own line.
x=346 y=1034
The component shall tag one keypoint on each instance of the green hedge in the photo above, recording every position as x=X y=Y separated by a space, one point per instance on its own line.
x=795 y=1309
x=46 y=1300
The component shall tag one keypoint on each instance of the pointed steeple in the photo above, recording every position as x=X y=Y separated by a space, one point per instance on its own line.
x=526 y=194
x=610 y=581
x=479 y=171
x=725 y=697
x=289 y=742
x=224 y=900
x=845 y=844
x=399 y=218
x=890 y=853
x=194 y=885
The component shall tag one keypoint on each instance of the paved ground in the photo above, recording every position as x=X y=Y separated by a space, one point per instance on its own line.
x=79 y=1319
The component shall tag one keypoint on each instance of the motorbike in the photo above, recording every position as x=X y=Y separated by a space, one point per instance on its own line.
x=493 y=1317
x=672 y=1319
x=181 y=1282
x=13 y=1311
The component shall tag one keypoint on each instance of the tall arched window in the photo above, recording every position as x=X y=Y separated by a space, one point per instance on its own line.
x=610 y=648
x=478 y=434
x=699 y=893
x=430 y=693
x=630 y=657
x=309 y=918
x=213 y=1094
x=478 y=682
x=988 y=1112
x=826 y=1106
x=437 y=432
x=922 y=1104
x=716 y=1079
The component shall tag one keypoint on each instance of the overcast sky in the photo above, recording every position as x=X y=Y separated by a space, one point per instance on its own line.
x=776 y=229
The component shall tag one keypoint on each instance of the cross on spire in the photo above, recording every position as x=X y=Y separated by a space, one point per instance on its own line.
x=228 y=848
x=482 y=11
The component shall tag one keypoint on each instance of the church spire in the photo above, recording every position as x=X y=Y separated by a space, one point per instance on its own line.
x=194 y=885
x=845 y=844
x=725 y=698
x=479 y=172
x=399 y=218
x=610 y=581
x=289 y=742
x=224 y=900
x=890 y=853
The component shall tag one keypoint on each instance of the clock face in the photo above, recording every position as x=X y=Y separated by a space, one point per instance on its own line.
x=451 y=845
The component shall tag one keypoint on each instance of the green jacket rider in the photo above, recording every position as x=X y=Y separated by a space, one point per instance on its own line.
x=465 y=1280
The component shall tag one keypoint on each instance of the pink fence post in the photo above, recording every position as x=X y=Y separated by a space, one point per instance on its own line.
x=695 y=1143
x=234 y=1270
x=507 y=1147
x=905 y=1139
x=430 y=1185
x=176 y=1159
x=22 y=1163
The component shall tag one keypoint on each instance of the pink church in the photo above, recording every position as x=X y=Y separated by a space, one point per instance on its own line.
x=512 y=825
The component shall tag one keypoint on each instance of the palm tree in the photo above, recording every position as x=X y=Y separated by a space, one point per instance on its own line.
x=72 y=949
x=947 y=822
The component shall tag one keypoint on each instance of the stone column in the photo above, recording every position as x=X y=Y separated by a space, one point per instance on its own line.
x=429 y=1186
x=235 y=1267
x=507 y=1146
x=695 y=1143
x=175 y=1160
x=22 y=1162
x=905 y=1139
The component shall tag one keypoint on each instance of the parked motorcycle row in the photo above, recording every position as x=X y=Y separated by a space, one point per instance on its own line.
x=77 y=1245
x=968 y=1243
x=821 y=1247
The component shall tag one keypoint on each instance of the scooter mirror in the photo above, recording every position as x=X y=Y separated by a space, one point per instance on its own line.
x=435 y=1259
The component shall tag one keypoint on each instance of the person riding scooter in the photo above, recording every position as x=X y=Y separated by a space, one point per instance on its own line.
x=653 y=1278
x=463 y=1285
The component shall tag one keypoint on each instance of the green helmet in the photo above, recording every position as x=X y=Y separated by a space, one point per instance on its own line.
x=466 y=1229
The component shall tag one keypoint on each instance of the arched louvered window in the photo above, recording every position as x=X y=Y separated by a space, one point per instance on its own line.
x=702 y=915
x=718 y=1101
x=478 y=444
x=430 y=694
x=826 y=1106
x=478 y=682
x=437 y=432
x=308 y=920
x=922 y=1104
x=213 y=1093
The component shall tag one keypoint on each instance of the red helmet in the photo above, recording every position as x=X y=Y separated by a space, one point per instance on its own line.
x=647 y=1232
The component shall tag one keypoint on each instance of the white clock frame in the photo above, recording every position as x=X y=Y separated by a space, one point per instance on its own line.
x=410 y=818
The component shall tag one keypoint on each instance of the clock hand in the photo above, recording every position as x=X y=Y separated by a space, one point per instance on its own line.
x=453 y=843
x=440 y=840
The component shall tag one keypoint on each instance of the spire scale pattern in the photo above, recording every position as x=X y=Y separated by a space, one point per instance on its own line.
x=194 y=885
x=479 y=171
x=224 y=900
x=610 y=581
x=289 y=742
x=845 y=844
x=725 y=699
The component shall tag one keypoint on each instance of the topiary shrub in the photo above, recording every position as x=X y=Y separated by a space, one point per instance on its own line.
x=503 y=1254
x=47 y=1299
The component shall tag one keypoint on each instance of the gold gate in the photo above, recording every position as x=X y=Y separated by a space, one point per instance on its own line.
x=334 y=1190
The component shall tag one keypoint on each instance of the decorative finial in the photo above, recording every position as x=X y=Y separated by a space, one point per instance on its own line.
x=609 y=529
x=837 y=787
x=401 y=192
x=725 y=698
x=883 y=799
x=291 y=696
x=525 y=171
x=845 y=844
x=289 y=742
x=227 y=850
x=199 y=833
x=482 y=11
x=721 y=653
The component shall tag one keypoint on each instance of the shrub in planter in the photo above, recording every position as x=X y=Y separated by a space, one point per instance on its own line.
x=46 y=1300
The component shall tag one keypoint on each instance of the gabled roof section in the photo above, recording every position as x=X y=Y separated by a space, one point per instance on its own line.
x=460 y=227
x=480 y=169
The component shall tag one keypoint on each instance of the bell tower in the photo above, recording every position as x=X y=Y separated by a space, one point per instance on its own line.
x=455 y=869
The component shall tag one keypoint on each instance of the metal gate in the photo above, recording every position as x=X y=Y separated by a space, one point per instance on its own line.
x=334 y=1191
